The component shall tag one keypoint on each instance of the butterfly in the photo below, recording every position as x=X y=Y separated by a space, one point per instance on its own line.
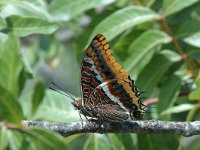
x=108 y=92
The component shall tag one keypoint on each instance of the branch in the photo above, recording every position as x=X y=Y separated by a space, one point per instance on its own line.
x=177 y=45
x=148 y=126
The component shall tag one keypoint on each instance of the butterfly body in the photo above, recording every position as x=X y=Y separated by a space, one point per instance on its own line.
x=108 y=92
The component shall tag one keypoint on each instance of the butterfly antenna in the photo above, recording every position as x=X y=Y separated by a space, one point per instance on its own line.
x=146 y=107
x=65 y=93
x=148 y=112
x=152 y=107
x=143 y=97
x=61 y=93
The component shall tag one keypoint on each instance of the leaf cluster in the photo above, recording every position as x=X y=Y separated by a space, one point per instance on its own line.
x=157 y=42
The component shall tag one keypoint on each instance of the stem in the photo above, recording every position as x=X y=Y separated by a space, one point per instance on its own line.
x=177 y=45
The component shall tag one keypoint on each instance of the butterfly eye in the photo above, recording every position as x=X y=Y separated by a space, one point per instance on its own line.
x=77 y=104
x=134 y=107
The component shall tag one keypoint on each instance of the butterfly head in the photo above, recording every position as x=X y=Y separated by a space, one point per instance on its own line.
x=77 y=104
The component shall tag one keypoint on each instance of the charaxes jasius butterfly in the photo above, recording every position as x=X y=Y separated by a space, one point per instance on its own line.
x=108 y=92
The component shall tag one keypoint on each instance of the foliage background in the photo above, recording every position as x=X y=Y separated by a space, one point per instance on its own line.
x=41 y=41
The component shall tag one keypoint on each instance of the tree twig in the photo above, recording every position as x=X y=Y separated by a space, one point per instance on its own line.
x=177 y=45
x=148 y=126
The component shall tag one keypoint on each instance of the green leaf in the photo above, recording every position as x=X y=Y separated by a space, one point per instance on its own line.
x=10 y=66
x=72 y=138
x=142 y=49
x=17 y=140
x=193 y=113
x=194 y=54
x=3 y=38
x=97 y=142
x=122 y=44
x=2 y=23
x=153 y=72
x=31 y=59
x=24 y=75
x=26 y=104
x=123 y=19
x=195 y=95
x=169 y=93
x=157 y=142
x=116 y=142
x=188 y=28
x=24 y=26
x=128 y=140
x=64 y=10
x=193 y=145
x=23 y=9
x=3 y=137
x=54 y=107
x=10 y=110
x=148 y=3
x=193 y=40
x=174 y=6
x=122 y=141
x=39 y=92
x=44 y=139
x=41 y=3
x=177 y=109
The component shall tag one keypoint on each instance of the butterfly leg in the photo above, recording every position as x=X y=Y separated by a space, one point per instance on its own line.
x=82 y=111
x=80 y=118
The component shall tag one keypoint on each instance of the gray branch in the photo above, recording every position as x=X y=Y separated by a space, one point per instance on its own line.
x=147 y=127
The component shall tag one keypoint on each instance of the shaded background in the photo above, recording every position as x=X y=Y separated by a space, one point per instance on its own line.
x=157 y=42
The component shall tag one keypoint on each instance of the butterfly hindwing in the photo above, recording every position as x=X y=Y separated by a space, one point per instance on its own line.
x=112 y=113
x=112 y=92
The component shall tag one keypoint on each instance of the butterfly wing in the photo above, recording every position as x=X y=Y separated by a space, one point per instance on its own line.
x=98 y=65
x=90 y=75
x=113 y=93
x=110 y=104
x=112 y=113
x=100 y=69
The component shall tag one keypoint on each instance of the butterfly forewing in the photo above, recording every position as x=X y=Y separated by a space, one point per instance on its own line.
x=98 y=65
